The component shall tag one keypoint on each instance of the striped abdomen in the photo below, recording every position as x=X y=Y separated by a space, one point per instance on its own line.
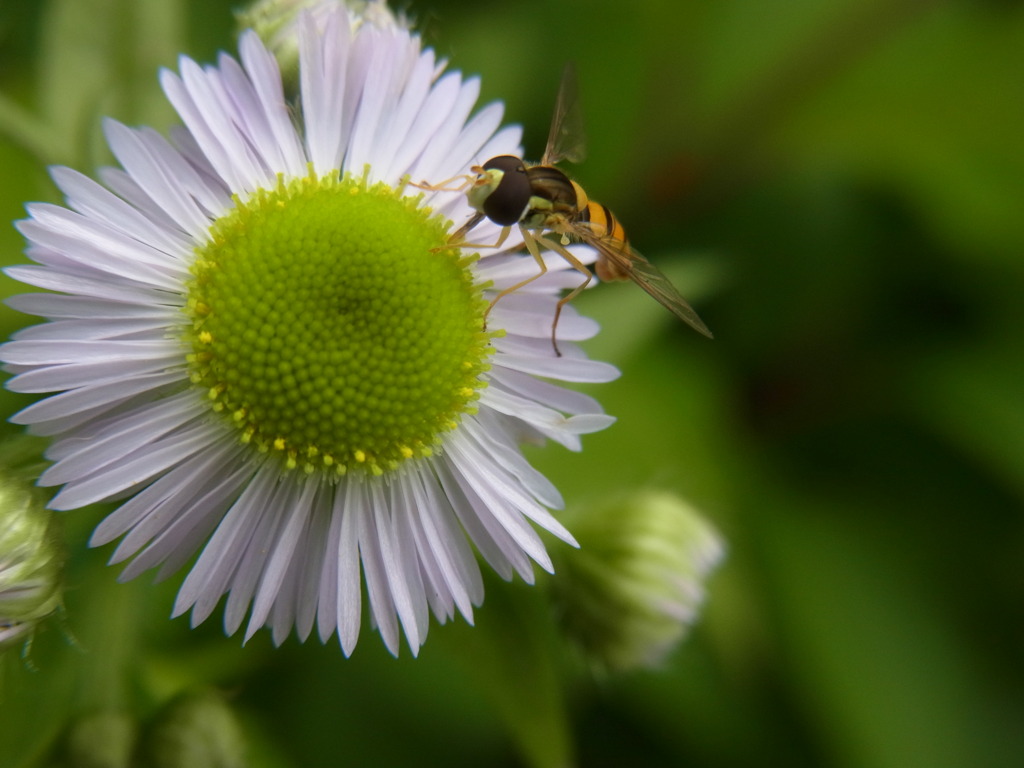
x=601 y=222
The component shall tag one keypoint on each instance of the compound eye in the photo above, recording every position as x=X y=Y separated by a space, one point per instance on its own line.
x=505 y=163
x=509 y=200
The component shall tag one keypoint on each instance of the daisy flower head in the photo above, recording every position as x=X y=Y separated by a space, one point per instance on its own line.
x=262 y=345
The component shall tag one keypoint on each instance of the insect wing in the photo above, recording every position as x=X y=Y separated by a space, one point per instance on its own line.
x=646 y=275
x=566 y=140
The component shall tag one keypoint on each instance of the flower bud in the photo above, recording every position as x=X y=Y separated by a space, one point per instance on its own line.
x=196 y=730
x=30 y=561
x=101 y=740
x=275 y=22
x=629 y=594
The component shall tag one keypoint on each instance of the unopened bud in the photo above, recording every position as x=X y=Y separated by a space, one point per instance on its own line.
x=30 y=561
x=101 y=740
x=628 y=596
x=195 y=730
x=275 y=21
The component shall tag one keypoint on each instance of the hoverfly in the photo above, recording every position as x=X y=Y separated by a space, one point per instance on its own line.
x=541 y=199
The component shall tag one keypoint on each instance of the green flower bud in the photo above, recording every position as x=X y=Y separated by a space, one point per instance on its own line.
x=196 y=730
x=275 y=22
x=629 y=594
x=101 y=740
x=30 y=561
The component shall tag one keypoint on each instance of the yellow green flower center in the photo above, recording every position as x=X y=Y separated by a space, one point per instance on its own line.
x=331 y=327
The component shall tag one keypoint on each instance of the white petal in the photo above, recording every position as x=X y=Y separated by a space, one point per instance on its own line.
x=92 y=200
x=242 y=582
x=379 y=95
x=491 y=538
x=126 y=439
x=506 y=503
x=281 y=553
x=154 y=509
x=81 y=308
x=162 y=174
x=210 y=576
x=548 y=421
x=497 y=446
x=382 y=606
x=323 y=68
x=533 y=316
x=193 y=110
x=404 y=567
x=311 y=555
x=135 y=471
x=435 y=111
x=327 y=609
x=129 y=329
x=42 y=277
x=400 y=144
x=184 y=532
x=348 y=608
x=509 y=270
x=81 y=399
x=469 y=144
x=73 y=375
x=447 y=544
x=563 y=368
x=545 y=392
x=57 y=352
x=281 y=141
x=432 y=162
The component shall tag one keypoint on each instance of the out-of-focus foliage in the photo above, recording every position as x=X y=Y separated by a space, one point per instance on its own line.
x=839 y=187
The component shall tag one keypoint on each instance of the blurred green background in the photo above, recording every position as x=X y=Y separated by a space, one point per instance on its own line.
x=839 y=189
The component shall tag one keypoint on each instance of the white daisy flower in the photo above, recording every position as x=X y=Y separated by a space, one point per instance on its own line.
x=260 y=341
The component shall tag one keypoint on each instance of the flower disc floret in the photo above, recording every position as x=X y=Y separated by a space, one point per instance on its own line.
x=330 y=326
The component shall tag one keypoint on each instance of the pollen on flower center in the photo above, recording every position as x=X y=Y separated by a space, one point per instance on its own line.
x=329 y=329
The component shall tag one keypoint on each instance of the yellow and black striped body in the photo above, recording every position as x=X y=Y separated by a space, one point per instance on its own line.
x=599 y=219
x=602 y=222
x=551 y=210
x=542 y=199
x=561 y=205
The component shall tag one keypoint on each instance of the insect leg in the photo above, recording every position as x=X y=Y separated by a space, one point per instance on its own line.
x=442 y=186
x=578 y=265
x=455 y=241
x=531 y=246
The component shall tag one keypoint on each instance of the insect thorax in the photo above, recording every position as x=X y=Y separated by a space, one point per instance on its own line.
x=553 y=195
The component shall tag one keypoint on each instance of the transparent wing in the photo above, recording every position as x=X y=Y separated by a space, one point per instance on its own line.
x=566 y=140
x=633 y=265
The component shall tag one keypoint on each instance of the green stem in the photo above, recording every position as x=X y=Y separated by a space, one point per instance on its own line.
x=514 y=653
x=109 y=636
